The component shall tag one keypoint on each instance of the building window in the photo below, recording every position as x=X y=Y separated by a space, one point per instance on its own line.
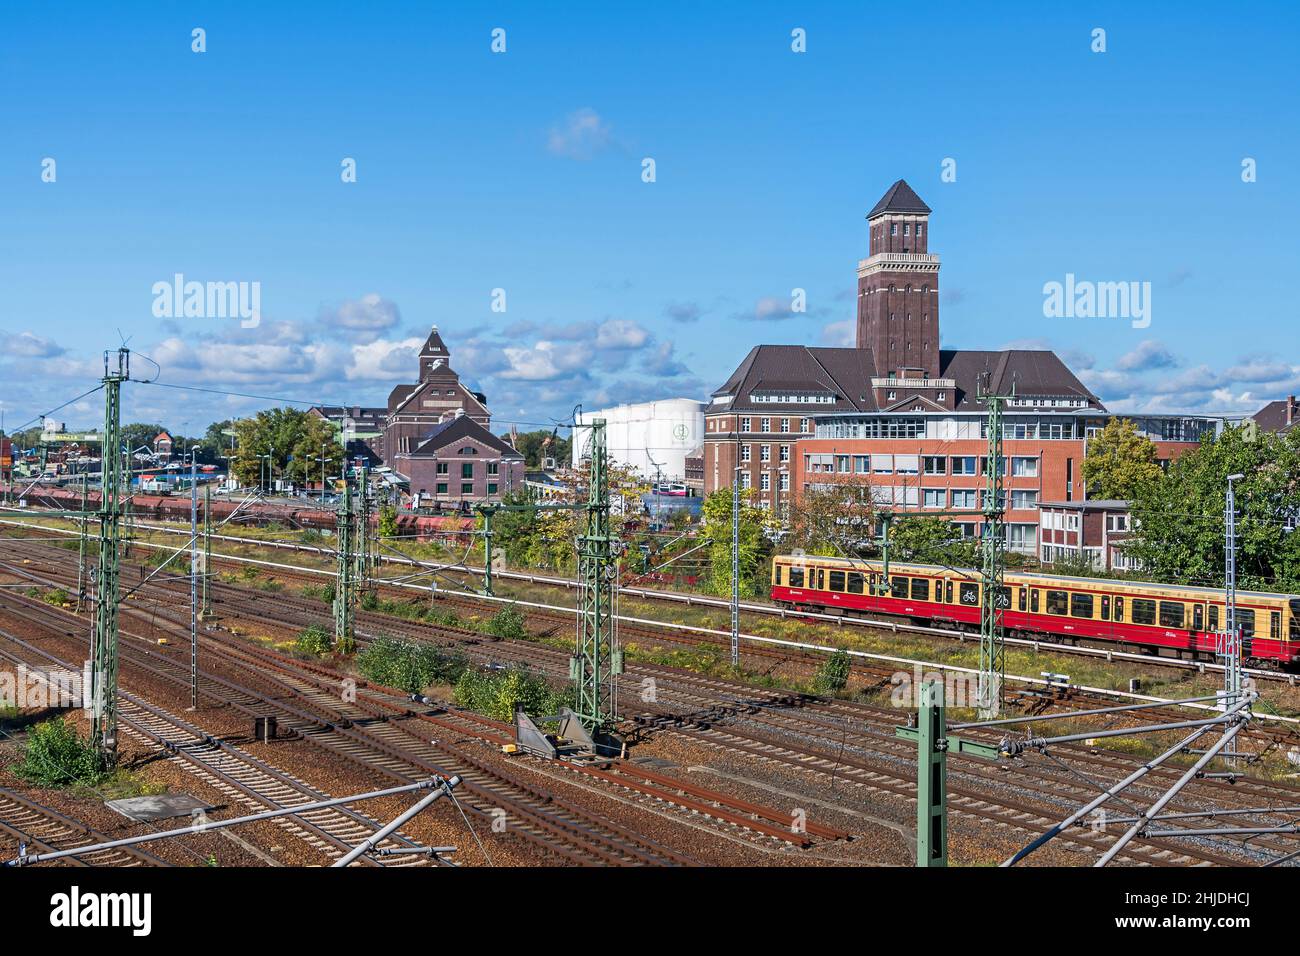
x=842 y=464
x=893 y=231
x=442 y=468
x=744 y=480
x=803 y=424
x=493 y=468
x=765 y=425
x=744 y=424
x=492 y=488
x=744 y=452
x=936 y=465
x=467 y=470
x=765 y=481
x=891 y=396
x=467 y=487
x=935 y=497
x=764 y=452
x=785 y=424
x=963 y=465
x=442 y=487
x=784 y=453
x=785 y=481
x=861 y=464
x=1024 y=500
x=1024 y=467
x=941 y=396
x=963 y=499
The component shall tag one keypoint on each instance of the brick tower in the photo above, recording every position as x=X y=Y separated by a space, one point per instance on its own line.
x=898 y=288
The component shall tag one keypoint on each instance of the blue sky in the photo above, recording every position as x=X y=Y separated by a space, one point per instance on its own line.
x=522 y=171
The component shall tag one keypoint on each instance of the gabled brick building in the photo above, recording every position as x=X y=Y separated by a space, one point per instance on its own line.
x=901 y=414
x=414 y=409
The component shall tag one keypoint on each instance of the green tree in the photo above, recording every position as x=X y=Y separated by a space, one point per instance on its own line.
x=536 y=445
x=716 y=515
x=1119 y=461
x=833 y=519
x=928 y=539
x=293 y=438
x=1179 y=518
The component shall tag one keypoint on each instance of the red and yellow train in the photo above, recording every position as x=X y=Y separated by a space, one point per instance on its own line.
x=1174 y=620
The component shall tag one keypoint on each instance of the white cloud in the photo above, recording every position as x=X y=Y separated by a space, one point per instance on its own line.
x=581 y=135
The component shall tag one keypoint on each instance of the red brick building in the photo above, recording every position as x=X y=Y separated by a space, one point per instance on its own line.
x=903 y=415
x=1093 y=531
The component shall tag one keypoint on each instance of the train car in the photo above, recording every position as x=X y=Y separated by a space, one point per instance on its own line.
x=1173 y=620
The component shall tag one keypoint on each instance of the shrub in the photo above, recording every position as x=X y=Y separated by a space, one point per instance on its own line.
x=833 y=675
x=508 y=624
x=55 y=755
x=315 y=641
x=495 y=694
x=408 y=666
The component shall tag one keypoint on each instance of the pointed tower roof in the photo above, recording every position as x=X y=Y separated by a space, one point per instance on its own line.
x=900 y=197
x=434 y=347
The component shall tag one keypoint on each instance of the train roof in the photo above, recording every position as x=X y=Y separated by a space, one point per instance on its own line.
x=904 y=566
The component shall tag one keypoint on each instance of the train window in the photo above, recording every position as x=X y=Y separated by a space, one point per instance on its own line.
x=837 y=580
x=1024 y=599
x=1119 y=608
x=855 y=582
x=1246 y=621
x=898 y=587
x=1081 y=605
x=970 y=593
x=1033 y=600
x=1198 y=617
x=1171 y=614
x=1004 y=598
x=1105 y=607
x=1144 y=611
x=920 y=589
x=776 y=574
x=1275 y=625
x=796 y=577
x=1214 y=617
x=1058 y=602
x=949 y=591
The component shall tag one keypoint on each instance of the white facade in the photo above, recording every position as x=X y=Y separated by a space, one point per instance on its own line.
x=647 y=435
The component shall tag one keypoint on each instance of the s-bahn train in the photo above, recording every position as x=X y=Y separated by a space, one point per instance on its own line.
x=1172 y=620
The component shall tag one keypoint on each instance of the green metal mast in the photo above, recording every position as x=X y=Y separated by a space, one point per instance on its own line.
x=344 y=640
x=362 y=540
x=81 y=550
x=597 y=659
x=994 y=605
x=103 y=692
x=206 y=608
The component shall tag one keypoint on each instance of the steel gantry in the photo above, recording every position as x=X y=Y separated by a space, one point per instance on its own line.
x=103 y=675
x=597 y=659
x=344 y=638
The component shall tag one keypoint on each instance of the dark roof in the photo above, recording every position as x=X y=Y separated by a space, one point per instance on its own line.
x=434 y=345
x=900 y=197
x=847 y=373
x=457 y=429
x=1030 y=372
x=1273 y=416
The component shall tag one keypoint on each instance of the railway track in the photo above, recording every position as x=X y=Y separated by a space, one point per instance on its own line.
x=702 y=711
x=34 y=827
x=890 y=626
